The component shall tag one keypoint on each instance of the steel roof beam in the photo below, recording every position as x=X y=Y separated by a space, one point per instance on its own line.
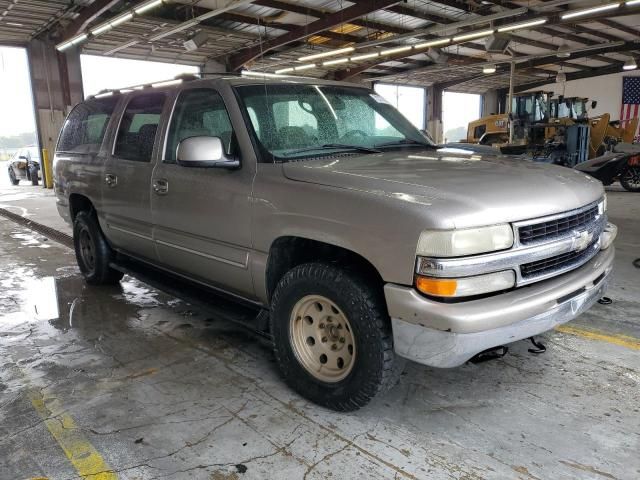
x=86 y=16
x=327 y=22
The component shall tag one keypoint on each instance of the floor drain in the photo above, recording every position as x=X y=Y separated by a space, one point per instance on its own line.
x=48 y=232
x=605 y=301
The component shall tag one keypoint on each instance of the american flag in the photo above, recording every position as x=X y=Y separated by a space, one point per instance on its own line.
x=630 y=100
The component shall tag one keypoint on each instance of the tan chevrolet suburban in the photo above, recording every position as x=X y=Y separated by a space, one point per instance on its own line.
x=317 y=202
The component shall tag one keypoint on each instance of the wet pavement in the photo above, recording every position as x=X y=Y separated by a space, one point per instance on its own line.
x=138 y=383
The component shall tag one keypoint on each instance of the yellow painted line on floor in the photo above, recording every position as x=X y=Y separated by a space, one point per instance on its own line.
x=616 y=339
x=83 y=456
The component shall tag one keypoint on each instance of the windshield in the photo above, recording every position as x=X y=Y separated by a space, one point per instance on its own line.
x=296 y=121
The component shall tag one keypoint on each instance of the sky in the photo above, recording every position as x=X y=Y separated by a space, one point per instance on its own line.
x=15 y=93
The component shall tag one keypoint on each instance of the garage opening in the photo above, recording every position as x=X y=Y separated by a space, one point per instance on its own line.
x=458 y=109
x=100 y=73
x=17 y=122
x=410 y=101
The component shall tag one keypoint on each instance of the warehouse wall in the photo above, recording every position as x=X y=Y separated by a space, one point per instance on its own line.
x=606 y=89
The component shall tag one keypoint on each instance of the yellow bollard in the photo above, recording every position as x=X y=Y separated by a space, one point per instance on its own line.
x=47 y=174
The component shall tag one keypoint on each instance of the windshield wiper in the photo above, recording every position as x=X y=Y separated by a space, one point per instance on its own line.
x=407 y=142
x=334 y=146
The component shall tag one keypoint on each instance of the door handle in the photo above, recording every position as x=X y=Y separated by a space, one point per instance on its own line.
x=161 y=186
x=111 y=180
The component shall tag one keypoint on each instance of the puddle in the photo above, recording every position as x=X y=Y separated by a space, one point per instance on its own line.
x=31 y=239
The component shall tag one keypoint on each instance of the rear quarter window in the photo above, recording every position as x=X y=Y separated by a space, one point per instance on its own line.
x=84 y=129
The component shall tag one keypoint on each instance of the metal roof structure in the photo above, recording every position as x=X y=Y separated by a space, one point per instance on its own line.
x=271 y=35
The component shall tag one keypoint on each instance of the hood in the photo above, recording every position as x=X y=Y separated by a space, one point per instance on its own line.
x=468 y=189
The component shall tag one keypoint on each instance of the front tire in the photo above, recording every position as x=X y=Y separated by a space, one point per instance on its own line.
x=332 y=336
x=92 y=251
x=630 y=179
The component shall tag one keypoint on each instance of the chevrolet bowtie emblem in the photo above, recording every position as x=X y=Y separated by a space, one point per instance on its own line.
x=581 y=240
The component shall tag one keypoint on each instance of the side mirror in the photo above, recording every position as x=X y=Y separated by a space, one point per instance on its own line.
x=203 y=151
x=594 y=104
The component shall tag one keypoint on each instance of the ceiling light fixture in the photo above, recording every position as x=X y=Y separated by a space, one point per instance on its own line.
x=63 y=46
x=326 y=54
x=304 y=67
x=365 y=56
x=335 y=62
x=490 y=68
x=433 y=43
x=101 y=29
x=564 y=50
x=561 y=77
x=469 y=36
x=124 y=18
x=391 y=51
x=252 y=73
x=532 y=23
x=284 y=70
x=147 y=6
x=167 y=83
x=110 y=24
x=630 y=3
x=588 y=11
x=630 y=64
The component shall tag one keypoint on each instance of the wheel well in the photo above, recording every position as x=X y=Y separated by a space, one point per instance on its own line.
x=79 y=203
x=289 y=252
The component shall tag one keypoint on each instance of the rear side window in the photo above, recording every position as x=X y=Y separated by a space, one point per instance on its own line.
x=85 y=126
x=138 y=127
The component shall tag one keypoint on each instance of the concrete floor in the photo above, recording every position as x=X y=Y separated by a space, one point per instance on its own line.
x=136 y=382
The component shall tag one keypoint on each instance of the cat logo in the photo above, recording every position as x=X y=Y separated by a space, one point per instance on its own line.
x=501 y=123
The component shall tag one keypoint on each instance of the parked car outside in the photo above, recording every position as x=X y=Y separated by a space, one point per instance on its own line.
x=25 y=165
x=318 y=204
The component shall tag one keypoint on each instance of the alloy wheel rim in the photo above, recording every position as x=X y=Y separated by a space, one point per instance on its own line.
x=322 y=338
x=633 y=177
x=86 y=250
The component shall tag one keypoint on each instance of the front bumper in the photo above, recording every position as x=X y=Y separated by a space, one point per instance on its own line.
x=448 y=334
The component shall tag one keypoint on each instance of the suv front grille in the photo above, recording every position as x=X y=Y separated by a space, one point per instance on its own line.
x=551 y=229
x=562 y=262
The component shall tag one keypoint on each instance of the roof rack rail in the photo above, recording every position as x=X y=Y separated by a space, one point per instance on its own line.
x=184 y=77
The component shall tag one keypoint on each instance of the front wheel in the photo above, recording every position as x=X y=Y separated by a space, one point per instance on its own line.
x=332 y=336
x=630 y=179
x=92 y=251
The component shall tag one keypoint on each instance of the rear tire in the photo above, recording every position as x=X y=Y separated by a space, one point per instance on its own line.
x=332 y=336
x=92 y=251
x=630 y=179
x=12 y=177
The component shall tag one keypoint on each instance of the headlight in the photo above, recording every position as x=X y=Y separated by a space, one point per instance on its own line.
x=469 y=241
x=467 y=286
x=602 y=205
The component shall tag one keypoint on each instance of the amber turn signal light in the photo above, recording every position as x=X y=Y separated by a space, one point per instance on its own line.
x=438 y=287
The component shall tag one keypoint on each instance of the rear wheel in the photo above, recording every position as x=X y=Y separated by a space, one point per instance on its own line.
x=92 y=251
x=12 y=177
x=630 y=179
x=332 y=336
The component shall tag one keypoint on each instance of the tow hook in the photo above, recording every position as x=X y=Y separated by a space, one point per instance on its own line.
x=490 y=354
x=540 y=348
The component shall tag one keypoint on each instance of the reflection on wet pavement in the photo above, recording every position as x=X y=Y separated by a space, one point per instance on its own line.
x=161 y=388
